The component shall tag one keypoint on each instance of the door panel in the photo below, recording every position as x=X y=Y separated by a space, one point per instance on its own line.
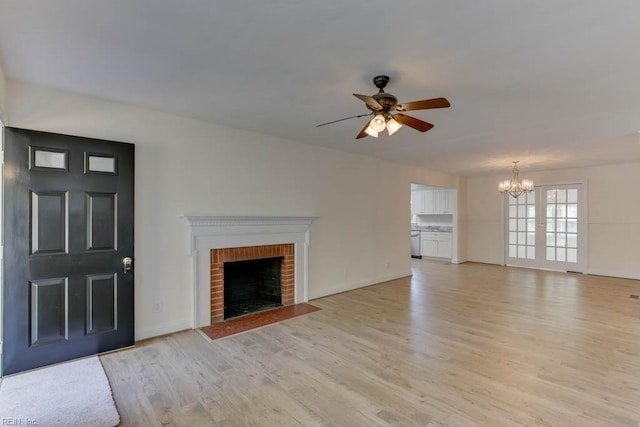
x=48 y=311
x=102 y=301
x=68 y=223
x=49 y=219
x=101 y=220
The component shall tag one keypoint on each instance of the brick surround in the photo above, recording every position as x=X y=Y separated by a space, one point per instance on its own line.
x=220 y=256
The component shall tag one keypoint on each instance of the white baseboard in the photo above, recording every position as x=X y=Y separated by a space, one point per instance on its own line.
x=459 y=261
x=620 y=274
x=359 y=284
x=163 y=329
x=485 y=261
x=594 y=272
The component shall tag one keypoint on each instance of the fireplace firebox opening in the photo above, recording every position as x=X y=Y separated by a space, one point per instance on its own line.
x=252 y=285
x=231 y=258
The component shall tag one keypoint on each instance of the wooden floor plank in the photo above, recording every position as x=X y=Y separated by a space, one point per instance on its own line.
x=454 y=345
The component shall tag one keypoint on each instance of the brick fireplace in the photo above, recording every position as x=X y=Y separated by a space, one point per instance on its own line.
x=226 y=255
x=216 y=239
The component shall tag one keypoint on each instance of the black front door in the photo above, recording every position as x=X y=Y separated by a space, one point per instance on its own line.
x=68 y=226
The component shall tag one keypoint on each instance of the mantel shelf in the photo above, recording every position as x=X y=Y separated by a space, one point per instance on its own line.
x=234 y=221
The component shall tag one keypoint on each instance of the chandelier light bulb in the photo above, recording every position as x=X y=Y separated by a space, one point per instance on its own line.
x=504 y=185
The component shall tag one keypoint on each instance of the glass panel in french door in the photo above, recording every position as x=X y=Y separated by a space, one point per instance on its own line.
x=521 y=230
x=563 y=228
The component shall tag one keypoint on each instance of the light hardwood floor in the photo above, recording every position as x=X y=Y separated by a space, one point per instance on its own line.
x=455 y=345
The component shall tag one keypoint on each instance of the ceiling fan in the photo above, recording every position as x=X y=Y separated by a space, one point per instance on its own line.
x=388 y=114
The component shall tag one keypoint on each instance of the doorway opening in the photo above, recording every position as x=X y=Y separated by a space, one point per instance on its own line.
x=433 y=222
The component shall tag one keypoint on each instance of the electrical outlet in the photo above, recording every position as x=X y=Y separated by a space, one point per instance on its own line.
x=157 y=307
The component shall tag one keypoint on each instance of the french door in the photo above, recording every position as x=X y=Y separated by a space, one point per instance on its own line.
x=546 y=228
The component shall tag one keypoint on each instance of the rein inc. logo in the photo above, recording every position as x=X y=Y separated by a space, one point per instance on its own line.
x=15 y=421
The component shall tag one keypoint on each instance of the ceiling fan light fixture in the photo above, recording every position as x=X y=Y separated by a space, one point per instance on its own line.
x=378 y=123
x=393 y=126
x=371 y=131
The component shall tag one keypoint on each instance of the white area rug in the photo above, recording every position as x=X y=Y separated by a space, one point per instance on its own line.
x=70 y=394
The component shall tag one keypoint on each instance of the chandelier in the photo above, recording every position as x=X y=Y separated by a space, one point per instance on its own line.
x=515 y=186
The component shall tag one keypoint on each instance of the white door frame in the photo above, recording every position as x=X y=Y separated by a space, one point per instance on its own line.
x=1 y=236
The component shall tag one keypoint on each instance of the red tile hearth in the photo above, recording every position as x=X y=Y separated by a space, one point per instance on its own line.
x=256 y=320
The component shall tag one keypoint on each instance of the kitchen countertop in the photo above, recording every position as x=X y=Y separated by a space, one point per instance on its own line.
x=439 y=229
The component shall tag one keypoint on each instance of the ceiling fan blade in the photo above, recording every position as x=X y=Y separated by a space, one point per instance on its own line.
x=412 y=122
x=371 y=102
x=362 y=133
x=346 y=118
x=424 y=104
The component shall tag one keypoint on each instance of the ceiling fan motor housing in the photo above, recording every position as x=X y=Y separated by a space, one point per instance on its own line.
x=387 y=100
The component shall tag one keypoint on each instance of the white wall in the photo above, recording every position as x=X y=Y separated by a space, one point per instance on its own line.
x=185 y=166
x=3 y=96
x=613 y=216
x=485 y=229
x=460 y=218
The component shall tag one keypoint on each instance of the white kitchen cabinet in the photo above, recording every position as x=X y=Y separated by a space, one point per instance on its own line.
x=443 y=247
x=435 y=244
x=422 y=202
x=431 y=202
x=417 y=202
x=428 y=247
x=442 y=202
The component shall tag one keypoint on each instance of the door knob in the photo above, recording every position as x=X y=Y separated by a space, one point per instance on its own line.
x=127 y=264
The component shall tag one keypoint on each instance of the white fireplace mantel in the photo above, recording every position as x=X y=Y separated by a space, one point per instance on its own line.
x=218 y=232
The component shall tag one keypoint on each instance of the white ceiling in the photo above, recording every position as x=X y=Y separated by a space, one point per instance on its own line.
x=553 y=83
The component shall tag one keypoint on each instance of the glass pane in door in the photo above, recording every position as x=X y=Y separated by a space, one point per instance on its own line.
x=522 y=226
x=562 y=225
